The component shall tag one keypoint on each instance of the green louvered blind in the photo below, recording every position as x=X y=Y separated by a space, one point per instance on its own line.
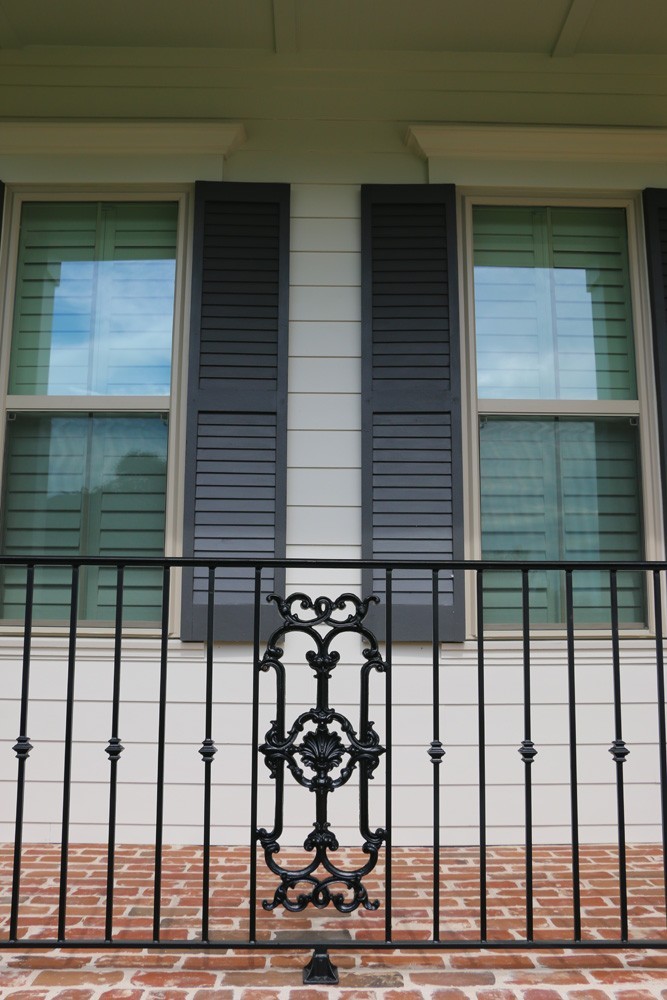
x=560 y=488
x=84 y=485
x=552 y=304
x=94 y=299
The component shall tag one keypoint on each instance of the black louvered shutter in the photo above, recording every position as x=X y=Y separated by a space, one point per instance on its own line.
x=655 y=224
x=235 y=472
x=412 y=467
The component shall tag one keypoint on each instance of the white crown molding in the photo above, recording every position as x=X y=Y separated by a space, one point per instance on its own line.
x=105 y=138
x=538 y=143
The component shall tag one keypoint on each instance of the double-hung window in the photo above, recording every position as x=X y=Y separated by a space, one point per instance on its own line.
x=559 y=408
x=87 y=401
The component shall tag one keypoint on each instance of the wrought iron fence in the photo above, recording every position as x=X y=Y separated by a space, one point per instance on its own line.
x=322 y=749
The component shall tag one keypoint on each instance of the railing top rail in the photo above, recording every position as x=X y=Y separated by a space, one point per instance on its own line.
x=440 y=565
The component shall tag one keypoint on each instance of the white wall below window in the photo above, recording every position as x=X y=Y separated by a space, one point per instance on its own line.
x=412 y=728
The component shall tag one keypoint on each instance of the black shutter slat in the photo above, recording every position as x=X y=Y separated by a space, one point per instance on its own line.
x=235 y=476
x=412 y=504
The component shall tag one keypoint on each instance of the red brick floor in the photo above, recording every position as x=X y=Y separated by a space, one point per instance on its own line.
x=594 y=974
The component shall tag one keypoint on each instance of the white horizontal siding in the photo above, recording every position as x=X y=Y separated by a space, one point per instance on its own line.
x=324 y=408
x=412 y=727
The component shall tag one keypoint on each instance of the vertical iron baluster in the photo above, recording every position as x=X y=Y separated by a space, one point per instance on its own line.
x=527 y=751
x=388 y=754
x=252 y=926
x=662 y=738
x=114 y=750
x=481 y=735
x=22 y=750
x=67 y=770
x=436 y=753
x=619 y=752
x=162 y=725
x=207 y=751
x=574 y=787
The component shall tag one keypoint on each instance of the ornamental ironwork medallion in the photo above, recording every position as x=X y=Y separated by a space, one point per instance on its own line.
x=321 y=750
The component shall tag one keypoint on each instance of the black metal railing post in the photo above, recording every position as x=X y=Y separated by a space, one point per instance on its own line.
x=113 y=750
x=574 y=780
x=436 y=752
x=662 y=737
x=67 y=770
x=208 y=751
x=254 y=790
x=22 y=750
x=619 y=752
x=388 y=736
x=481 y=752
x=527 y=750
x=161 y=740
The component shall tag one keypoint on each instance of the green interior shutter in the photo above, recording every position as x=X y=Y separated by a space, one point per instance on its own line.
x=412 y=501
x=560 y=488
x=84 y=485
x=235 y=475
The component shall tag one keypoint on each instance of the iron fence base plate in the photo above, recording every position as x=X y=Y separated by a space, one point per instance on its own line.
x=320 y=971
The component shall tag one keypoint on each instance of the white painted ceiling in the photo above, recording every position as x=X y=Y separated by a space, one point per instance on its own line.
x=555 y=27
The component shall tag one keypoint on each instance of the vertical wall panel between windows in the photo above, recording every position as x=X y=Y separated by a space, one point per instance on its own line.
x=412 y=485
x=235 y=497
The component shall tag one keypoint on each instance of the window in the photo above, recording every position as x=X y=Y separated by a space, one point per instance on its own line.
x=558 y=405
x=88 y=400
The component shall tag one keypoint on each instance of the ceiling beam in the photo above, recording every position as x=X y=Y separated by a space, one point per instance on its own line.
x=284 y=25
x=573 y=28
x=8 y=36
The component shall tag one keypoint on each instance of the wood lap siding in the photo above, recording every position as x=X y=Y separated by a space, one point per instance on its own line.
x=412 y=494
x=235 y=458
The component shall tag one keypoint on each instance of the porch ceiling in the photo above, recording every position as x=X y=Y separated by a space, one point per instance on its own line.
x=552 y=27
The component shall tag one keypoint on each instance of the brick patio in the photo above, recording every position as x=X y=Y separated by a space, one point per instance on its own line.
x=238 y=975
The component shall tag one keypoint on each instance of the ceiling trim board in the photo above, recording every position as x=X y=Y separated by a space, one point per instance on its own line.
x=120 y=138
x=538 y=143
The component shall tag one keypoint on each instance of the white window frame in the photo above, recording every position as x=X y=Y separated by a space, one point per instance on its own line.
x=644 y=408
x=173 y=405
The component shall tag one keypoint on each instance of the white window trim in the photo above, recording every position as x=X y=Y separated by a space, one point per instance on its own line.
x=644 y=408
x=173 y=405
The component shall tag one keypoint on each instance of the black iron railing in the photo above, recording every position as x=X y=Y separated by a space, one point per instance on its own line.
x=322 y=749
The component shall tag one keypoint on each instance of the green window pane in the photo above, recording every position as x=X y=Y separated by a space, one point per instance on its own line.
x=560 y=489
x=94 y=299
x=84 y=485
x=553 y=310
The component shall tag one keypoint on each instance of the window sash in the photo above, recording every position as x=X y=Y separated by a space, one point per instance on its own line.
x=94 y=300
x=170 y=210
x=634 y=610
x=553 y=310
x=84 y=485
x=561 y=489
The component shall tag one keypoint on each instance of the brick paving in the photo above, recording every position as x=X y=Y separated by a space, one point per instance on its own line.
x=227 y=974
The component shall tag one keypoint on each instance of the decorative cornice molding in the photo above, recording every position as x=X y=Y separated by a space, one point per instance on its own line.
x=538 y=143
x=125 y=138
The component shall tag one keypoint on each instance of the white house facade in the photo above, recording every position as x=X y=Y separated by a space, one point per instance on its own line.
x=309 y=283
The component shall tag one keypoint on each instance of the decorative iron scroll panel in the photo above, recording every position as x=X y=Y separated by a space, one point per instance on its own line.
x=321 y=750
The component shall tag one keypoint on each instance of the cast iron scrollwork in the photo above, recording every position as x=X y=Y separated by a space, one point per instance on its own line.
x=321 y=750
